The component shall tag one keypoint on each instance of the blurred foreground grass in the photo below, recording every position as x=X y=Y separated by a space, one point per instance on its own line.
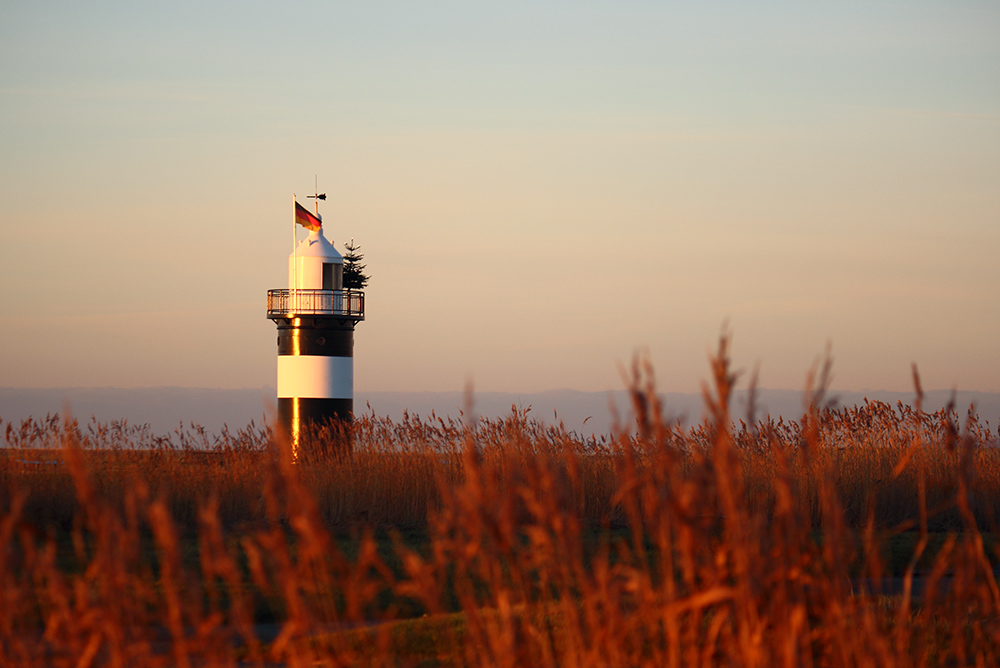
x=862 y=536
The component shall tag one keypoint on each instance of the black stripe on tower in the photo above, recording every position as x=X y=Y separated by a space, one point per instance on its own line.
x=312 y=411
x=316 y=336
x=299 y=416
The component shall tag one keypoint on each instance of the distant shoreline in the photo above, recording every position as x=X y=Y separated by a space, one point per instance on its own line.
x=165 y=409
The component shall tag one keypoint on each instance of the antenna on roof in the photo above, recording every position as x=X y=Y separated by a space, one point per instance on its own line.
x=318 y=196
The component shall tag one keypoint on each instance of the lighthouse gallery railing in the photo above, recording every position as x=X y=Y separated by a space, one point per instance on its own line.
x=349 y=303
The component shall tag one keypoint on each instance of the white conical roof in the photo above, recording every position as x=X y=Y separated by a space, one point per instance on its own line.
x=316 y=245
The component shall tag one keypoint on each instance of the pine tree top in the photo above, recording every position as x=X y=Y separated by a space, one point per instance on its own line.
x=355 y=277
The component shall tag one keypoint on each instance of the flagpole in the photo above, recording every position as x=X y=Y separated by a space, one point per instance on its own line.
x=295 y=260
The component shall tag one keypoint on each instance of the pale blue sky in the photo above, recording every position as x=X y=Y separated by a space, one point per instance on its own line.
x=540 y=191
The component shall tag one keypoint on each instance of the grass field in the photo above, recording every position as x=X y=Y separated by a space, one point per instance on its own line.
x=862 y=536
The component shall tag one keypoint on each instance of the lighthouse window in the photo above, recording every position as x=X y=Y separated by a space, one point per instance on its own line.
x=328 y=276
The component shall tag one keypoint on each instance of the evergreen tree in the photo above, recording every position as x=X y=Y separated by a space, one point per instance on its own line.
x=355 y=277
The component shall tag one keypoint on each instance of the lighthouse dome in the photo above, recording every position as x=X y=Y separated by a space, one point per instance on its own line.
x=316 y=245
x=316 y=264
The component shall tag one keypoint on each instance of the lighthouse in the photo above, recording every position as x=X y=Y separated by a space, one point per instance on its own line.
x=315 y=318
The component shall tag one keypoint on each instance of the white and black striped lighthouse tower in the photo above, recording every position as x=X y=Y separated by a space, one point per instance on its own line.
x=315 y=317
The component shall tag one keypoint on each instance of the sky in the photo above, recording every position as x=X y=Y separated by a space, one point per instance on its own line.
x=541 y=190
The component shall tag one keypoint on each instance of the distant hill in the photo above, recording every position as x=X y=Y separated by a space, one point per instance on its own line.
x=163 y=408
x=594 y=412
x=166 y=408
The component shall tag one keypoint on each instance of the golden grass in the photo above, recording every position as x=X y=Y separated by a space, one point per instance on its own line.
x=757 y=545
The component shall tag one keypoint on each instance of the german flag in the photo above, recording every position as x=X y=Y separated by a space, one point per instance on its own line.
x=306 y=219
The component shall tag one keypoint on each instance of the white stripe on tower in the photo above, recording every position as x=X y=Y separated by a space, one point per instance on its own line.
x=315 y=377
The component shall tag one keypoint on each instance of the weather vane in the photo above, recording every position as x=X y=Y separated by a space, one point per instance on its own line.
x=318 y=196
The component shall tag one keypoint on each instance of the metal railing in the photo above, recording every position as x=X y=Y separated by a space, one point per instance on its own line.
x=346 y=303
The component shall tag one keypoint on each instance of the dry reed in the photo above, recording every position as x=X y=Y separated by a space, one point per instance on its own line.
x=767 y=543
